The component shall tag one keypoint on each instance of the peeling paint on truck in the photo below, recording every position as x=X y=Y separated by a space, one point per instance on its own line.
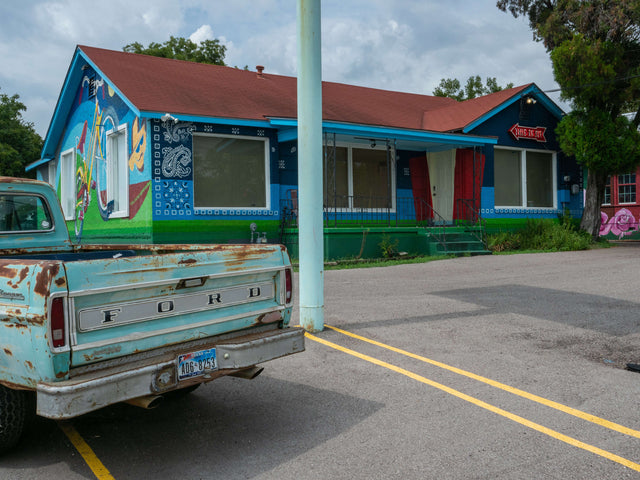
x=87 y=326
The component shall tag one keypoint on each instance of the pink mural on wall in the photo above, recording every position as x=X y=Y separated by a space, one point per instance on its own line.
x=622 y=223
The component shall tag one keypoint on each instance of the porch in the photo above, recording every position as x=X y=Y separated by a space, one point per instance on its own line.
x=375 y=227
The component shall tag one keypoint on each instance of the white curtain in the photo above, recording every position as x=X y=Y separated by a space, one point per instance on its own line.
x=442 y=166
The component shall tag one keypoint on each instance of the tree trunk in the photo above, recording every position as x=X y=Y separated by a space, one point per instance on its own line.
x=594 y=195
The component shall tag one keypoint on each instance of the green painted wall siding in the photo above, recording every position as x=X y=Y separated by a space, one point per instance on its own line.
x=350 y=243
x=213 y=231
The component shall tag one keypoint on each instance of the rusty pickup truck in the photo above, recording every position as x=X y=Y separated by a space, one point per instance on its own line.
x=83 y=327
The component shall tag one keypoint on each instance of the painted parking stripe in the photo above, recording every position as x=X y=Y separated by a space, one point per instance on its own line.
x=515 y=391
x=96 y=466
x=516 y=418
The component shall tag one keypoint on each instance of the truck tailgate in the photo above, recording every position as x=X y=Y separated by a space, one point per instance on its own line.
x=124 y=306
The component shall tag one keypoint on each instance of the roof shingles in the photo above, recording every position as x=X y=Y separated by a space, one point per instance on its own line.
x=155 y=84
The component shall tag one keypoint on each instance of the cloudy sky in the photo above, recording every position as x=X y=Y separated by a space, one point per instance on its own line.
x=404 y=45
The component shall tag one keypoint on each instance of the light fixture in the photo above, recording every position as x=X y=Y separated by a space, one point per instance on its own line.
x=531 y=101
x=167 y=116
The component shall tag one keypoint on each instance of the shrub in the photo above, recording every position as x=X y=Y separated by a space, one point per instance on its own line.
x=542 y=235
x=389 y=248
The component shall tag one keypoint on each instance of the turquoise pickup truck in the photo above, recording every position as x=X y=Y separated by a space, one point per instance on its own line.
x=83 y=327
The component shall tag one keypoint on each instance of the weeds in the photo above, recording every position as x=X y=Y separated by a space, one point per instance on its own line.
x=542 y=235
x=389 y=248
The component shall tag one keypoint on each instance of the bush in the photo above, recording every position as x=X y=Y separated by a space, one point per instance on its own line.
x=541 y=235
x=389 y=248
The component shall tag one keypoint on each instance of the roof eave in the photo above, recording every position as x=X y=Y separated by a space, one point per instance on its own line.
x=376 y=131
x=67 y=97
x=531 y=90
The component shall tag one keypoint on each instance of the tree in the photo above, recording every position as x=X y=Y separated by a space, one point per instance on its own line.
x=595 y=52
x=207 y=51
x=450 y=87
x=20 y=145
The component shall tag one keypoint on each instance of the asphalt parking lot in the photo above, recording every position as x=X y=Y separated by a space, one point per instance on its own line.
x=499 y=367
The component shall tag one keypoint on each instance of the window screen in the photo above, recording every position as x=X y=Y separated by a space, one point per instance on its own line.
x=539 y=179
x=229 y=172
x=507 y=178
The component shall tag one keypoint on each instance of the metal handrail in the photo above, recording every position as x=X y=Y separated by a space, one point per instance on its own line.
x=472 y=216
x=436 y=219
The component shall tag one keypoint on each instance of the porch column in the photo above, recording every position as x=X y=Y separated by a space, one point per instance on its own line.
x=310 y=224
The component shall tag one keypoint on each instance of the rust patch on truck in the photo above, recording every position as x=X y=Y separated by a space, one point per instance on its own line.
x=8 y=352
x=15 y=386
x=187 y=261
x=14 y=325
x=36 y=319
x=239 y=257
x=98 y=354
x=270 y=317
x=44 y=277
x=23 y=274
x=29 y=365
x=7 y=272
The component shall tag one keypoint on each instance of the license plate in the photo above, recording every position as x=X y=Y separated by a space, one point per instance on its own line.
x=196 y=363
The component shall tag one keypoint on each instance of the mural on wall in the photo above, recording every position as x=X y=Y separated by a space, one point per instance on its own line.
x=621 y=224
x=99 y=110
x=172 y=168
x=173 y=172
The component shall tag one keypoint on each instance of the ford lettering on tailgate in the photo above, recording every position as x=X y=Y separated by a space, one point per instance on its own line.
x=109 y=315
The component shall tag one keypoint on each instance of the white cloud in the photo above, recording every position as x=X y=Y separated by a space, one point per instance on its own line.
x=401 y=45
x=205 y=32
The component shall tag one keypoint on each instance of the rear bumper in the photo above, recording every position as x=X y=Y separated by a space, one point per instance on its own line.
x=83 y=394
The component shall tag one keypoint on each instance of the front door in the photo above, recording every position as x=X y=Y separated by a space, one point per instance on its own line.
x=442 y=167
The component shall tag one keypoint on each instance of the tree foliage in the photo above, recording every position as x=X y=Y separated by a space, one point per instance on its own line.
x=450 y=87
x=595 y=51
x=207 y=51
x=20 y=145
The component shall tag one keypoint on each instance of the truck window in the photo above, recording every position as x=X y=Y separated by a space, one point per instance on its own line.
x=24 y=213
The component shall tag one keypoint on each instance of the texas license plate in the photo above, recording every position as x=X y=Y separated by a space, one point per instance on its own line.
x=196 y=363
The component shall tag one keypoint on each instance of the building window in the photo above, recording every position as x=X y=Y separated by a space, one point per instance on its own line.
x=627 y=188
x=607 y=192
x=113 y=176
x=359 y=178
x=68 y=191
x=507 y=178
x=230 y=171
x=524 y=178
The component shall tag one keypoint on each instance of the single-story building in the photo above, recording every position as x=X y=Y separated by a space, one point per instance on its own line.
x=156 y=150
x=620 y=212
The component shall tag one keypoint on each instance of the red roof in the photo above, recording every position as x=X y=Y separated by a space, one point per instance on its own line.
x=459 y=115
x=155 y=84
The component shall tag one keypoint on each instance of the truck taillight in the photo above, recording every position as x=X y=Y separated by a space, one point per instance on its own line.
x=58 y=337
x=288 y=280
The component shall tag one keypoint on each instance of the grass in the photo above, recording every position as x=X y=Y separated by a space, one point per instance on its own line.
x=347 y=263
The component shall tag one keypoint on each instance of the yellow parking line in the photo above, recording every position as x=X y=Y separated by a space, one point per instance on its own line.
x=515 y=391
x=96 y=466
x=480 y=403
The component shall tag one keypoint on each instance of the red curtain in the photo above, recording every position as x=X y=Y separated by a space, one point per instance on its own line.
x=420 y=184
x=464 y=183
